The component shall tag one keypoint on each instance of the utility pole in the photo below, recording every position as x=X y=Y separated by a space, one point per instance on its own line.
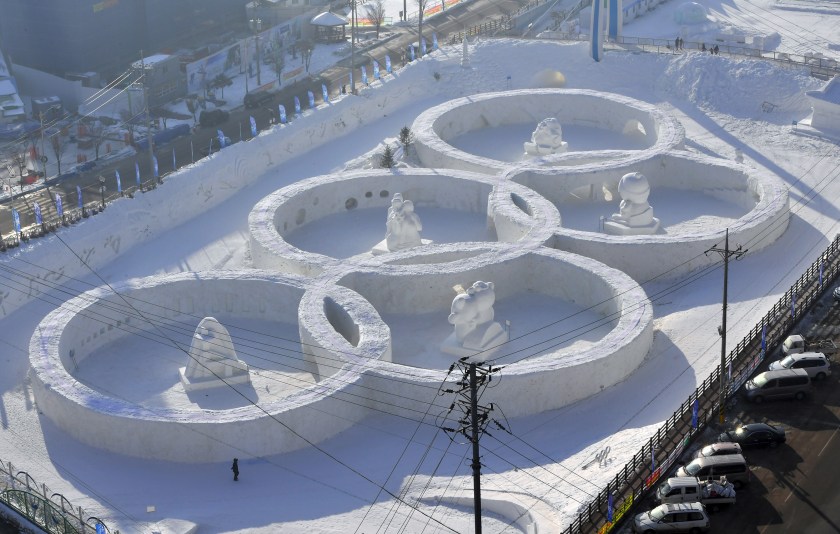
x=474 y=418
x=352 y=46
x=148 y=119
x=725 y=254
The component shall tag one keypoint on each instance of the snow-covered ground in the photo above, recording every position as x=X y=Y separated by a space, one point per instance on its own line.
x=548 y=462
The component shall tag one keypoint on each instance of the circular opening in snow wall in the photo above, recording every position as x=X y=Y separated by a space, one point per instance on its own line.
x=110 y=370
x=335 y=220
x=575 y=326
x=487 y=132
x=696 y=199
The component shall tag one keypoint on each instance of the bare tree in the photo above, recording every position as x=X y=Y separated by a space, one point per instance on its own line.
x=375 y=11
x=278 y=62
x=17 y=155
x=58 y=145
x=306 y=48
x=421 y=7
x=97 y=135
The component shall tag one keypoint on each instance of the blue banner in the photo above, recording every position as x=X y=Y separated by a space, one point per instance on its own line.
x=137 y=172
x=376 y=74
x=100 y=528
x=59 y=208
x=695 y=413
x=364 y=75
x=253 y=127
x=764 y=337
x=423 y=46
x=652 y=458
x=174 y=163
x=351 y=79
x=324 y=92
x=221 y=135
x=434 y=41
x=16 y=218
x=610 y=507
x=793 y=304
x=411 y=51
x=311 y=98
x=37 y=209
x=282 y=109
x=297 y=106
x=79 y=196
x=821 y=272
x=388 y=64
x=155 y=165
x=119 y=183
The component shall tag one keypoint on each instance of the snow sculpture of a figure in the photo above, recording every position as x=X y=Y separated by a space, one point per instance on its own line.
x=635 y=215
x=212 y=359
x=403 y=225
x=547 y=139
x=476 y=333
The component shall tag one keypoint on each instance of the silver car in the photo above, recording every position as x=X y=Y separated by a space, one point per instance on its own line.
x=814 y=363
x=682 y=517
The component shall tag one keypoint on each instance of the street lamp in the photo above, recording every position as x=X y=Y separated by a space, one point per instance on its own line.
x=256 y=27
x=102 y=190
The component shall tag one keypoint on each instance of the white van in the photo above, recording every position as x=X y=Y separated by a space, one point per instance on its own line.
x=815 y=363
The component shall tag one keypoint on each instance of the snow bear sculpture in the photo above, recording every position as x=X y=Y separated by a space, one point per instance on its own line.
x=476 y=333
x=403 y=225
x=547 y=139
x=635 y=216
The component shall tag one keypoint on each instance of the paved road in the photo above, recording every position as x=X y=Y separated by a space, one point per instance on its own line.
x=188 y=148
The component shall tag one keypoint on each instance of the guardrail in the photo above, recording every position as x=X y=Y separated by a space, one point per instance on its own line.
x=662 y=450
x=51 y=512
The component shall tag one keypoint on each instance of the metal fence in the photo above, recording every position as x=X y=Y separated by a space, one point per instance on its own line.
x=662 y=450
x=49 y=511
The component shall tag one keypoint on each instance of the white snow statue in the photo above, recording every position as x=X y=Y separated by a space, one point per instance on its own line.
x=403 y=225
x=690 y=13
x=547 y=139
x=635 y=215
x=212 y=359
x=476 y=333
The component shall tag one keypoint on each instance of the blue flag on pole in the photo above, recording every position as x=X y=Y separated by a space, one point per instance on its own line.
x=119 y=183
x=423 y=46
x=411 y=51
x=793 y=304
x=376 y=74
x=100 y=528
x=221 y=135
x=59 y=208
x=763 y=337
x=351 y=79
x=821 y=272
x=37 y=209
x=282 y=110
x=297 y=106
x=253 y=127
x=324 y=92
x=311 y=98
x=364 y=75
x=434 y=41
x=174 y=163
x=610 y=507
x=695 y=413
x=155 y=165
x=137 y=172
x=388 y=64
x=79 y=196
x=16 y=218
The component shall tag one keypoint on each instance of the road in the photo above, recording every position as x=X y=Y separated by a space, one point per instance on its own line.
x=188 y=148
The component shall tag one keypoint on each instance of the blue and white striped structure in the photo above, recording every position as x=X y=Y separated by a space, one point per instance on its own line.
x=607 y=17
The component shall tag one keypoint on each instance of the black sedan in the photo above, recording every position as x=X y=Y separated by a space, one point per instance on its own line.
x=755 y=435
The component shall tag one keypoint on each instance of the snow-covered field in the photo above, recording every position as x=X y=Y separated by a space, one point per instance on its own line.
x=547 y=463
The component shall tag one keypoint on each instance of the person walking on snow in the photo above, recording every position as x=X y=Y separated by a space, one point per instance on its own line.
x=235 y=469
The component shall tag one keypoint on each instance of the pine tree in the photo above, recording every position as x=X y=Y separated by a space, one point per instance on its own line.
x=387 y=159
x=406 y=137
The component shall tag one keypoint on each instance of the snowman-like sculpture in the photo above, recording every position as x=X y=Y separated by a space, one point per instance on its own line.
x=547 y=139
x=402 y=227
x=476 y=334
x=212 y=359
x=635 y=216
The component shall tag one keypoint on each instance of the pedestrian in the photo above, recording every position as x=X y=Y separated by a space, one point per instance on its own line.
x=235 y=469
x=677 y=43
x=703 y=47
x=717 y=50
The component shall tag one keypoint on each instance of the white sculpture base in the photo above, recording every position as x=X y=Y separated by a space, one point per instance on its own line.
x=533 y=149
x=382 y=247
x=479 y=344
x=618 y=228
x=213 y=382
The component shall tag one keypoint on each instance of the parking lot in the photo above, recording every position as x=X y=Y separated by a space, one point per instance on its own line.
x=794 y=487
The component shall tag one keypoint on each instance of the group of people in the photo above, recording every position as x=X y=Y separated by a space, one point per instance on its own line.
x=679 y=45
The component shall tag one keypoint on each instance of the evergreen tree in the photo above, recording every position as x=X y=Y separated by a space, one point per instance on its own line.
x=387 y=159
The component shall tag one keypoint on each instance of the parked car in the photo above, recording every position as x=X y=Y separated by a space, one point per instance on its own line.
x=755 y=435
x=814 y=363
x=682 y=517
x=781 y=384
x=86 y=166
x=836 y=293
x=213 y=117
x=732 y=466
x=718 y=449
x=258 y=98
x=795 y=344
x=714 y=494
x=214 y=146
